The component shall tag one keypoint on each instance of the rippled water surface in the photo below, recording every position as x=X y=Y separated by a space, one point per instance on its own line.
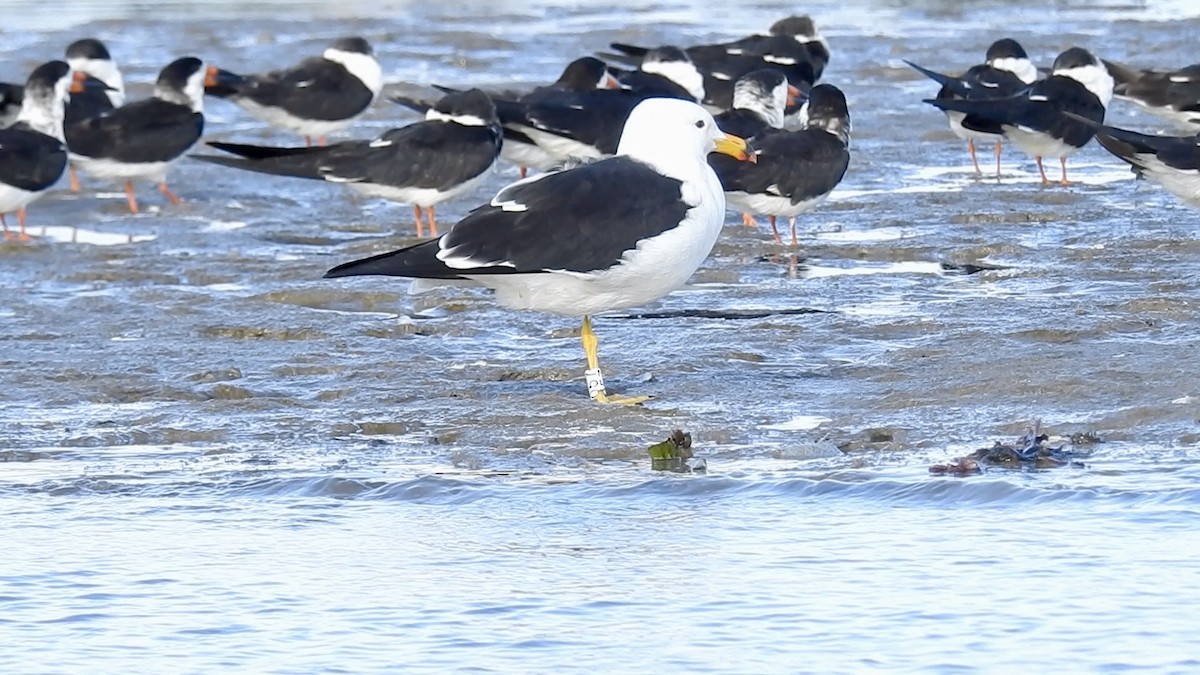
x=214 y=460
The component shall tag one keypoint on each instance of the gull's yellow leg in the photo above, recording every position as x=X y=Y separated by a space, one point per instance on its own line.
x=595 y=379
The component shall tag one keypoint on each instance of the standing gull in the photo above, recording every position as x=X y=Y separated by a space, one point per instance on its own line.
x=611 y=234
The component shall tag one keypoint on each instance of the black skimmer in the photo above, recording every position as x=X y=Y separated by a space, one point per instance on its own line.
x=569 y=125
x=1173 y=95
x=781 y=53
x=610 y=234
x=1006 y=70
x=582 y=74
x=90 y=56
x=316 y=98
x=1172 y=161
x=11 y=96
x=585 y=72
x=793 y=46
x=760 y=101
x=796 y=170
x=142 y=139
x=669 y=71
x=801 y=29
x=33 y=155
x=1034 y=119
x=423 y=164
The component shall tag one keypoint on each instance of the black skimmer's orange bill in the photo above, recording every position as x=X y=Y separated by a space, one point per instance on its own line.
x=141 y=140
x=33 y=155
x=423 y=164
x=796 y=170
x=91 y=56
x=1034 y=119
x=610 y=234
x=1006 y=70
x=317 y=97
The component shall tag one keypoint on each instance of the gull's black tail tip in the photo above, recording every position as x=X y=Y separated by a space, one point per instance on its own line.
x=419 y=261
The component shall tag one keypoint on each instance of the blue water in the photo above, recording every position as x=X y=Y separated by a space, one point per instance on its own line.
x=714 y=574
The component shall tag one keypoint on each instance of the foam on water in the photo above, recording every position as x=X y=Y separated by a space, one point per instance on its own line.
x=798 y=423
x=910 y=267
x=77 y=235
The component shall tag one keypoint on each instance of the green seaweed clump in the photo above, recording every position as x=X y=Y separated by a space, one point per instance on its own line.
x=674 y=454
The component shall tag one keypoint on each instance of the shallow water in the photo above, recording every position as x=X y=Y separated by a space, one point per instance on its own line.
x=213 y=459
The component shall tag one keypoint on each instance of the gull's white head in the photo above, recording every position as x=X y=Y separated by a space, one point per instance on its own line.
x=668 y=132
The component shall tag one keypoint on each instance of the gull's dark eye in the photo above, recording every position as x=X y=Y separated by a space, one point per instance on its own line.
x=699 y=124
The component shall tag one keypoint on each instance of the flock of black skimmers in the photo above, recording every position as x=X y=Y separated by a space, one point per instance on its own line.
x=1007 y=97
x=628 y=161
x=760 y=85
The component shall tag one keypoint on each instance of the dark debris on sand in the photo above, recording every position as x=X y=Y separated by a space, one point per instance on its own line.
x=1030 y=450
